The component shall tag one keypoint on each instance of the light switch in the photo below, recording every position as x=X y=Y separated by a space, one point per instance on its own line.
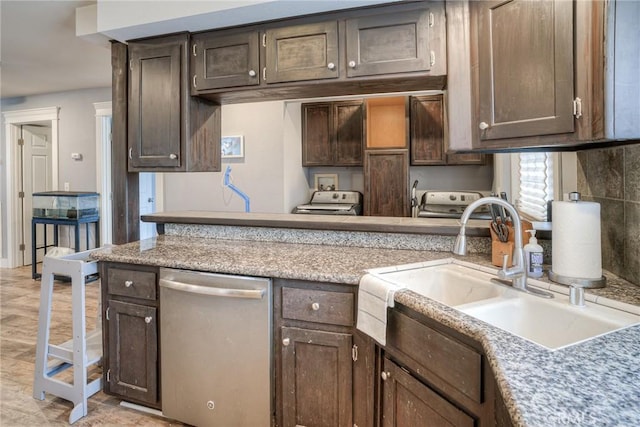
x=76 y=156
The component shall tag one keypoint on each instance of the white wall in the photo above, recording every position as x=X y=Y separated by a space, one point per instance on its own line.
x=76 y=134
x=264 y=174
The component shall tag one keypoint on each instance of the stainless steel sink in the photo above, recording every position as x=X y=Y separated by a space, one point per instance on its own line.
x=552 y=323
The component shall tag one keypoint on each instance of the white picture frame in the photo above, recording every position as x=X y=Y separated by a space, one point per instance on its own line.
x=232 y=147
x=325 y=181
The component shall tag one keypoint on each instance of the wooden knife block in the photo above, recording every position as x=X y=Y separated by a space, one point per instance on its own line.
x=499 y=249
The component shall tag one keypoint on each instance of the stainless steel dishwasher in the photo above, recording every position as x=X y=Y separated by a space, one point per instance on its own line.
x=215 y=348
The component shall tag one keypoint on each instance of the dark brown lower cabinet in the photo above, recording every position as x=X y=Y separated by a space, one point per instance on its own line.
x=408 y=402
x=130 y=333
x=324 y=367
x=431 y=375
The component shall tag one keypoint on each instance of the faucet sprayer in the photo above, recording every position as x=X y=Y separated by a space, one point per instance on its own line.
x=518 y=272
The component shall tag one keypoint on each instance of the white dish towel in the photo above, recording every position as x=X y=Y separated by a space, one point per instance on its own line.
x=374 y=296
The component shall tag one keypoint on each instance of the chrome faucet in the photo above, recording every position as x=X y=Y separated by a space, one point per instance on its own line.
x=518 y=272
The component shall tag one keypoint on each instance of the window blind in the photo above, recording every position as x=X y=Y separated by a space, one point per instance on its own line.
x=536 y=184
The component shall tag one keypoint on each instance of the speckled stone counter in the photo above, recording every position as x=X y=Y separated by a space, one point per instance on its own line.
x=596 y=383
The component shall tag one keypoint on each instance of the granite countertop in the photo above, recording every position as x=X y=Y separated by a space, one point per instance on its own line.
x=592 y=383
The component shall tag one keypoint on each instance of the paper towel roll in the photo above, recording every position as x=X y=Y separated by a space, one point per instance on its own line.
x=576 y=240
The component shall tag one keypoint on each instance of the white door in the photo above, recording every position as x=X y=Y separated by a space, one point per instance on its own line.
x=36 y=176
x=147 y=191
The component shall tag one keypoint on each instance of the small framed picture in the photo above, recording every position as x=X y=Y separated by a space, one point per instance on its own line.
x=232 y=147
x=326 y=181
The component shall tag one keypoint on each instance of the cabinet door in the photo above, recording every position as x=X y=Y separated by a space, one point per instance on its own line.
x=226 y=60
x=316 y=378
x=386 y=183
x=427 y=130
x=408 y=402
x=390 y=43
x=348 y=130
x=303 y=52
x=525 y=68
x=317 y=129
x=155 y=102
x=133 y=351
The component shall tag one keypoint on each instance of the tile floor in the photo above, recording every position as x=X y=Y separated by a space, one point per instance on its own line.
x=19 y=305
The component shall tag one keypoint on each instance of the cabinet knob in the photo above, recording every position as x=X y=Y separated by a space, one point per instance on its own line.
x=385 y=375
x=252 y=73
x=352 y=64
x=148 y=319
x=173 y=156
x=483 y=125
x=128 y=283
x=315 y=306
x=331 y=66
x=285 y=342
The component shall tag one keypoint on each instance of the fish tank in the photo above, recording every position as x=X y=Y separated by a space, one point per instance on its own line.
x=66 y=204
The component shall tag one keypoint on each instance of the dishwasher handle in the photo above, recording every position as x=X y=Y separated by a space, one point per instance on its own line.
x=212 y=291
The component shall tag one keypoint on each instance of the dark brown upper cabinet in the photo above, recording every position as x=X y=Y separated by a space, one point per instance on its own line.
x=428 y=134
x=332 y=133
x=525 y=68
x=168 y=131
x=396 y=42
x=222 y=61
x=526 y=74
x=302 y=52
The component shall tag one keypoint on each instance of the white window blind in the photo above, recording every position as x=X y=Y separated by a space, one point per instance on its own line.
x=536 y=184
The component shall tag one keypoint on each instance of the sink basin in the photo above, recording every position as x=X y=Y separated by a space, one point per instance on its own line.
x=450 y=284
x=552 y=323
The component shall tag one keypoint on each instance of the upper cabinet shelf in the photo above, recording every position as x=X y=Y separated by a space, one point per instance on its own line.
x=391 y=48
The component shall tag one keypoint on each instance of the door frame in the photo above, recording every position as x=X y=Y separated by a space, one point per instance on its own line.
x=103 y=168
x=12 y=121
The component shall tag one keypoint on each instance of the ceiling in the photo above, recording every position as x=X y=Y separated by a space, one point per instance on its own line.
x=40 y=52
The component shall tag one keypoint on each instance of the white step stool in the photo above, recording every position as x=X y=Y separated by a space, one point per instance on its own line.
x=82 y=351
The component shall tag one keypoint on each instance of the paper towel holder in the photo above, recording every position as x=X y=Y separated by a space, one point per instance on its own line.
x=577 y=286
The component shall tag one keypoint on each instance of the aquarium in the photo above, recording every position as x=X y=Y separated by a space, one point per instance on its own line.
x=65 y=204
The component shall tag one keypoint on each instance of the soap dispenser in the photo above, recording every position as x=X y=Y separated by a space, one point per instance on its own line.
x=533 y=253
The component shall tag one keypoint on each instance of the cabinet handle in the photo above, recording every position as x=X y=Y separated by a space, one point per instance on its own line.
x=128 y=283
x=194 y=49
x=315 y=306
x=331 y=66
x=264 y=74
x=194 y=81
x=148 y=319
x=130 y=153
x=432 y=58
x=352 y=64
x=173 y=156
x=483 y=125
x=385 y=375
x=252 y=73
x=285 y=342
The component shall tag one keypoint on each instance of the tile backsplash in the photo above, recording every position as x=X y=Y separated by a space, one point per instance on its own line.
x=611 y=177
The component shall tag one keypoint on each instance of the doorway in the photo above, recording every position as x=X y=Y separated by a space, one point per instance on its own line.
x=35 y=176
x=18 y=215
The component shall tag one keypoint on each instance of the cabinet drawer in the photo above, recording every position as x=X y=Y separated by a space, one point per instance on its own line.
x=335 y=308
x=132 y=283
x=439 y=355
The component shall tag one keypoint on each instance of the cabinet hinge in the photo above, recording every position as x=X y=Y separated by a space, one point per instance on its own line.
x=431 y=19
x=106 y=314
x=131 y=64
x=577 y=108
x=432 y=58
x=22 y=247
x=194 y=81
x=264 y=74
x=354 y=352
x=21 y=195
x=264 y=40
x=109 y=375
x=21 y=142
x=194 y=49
